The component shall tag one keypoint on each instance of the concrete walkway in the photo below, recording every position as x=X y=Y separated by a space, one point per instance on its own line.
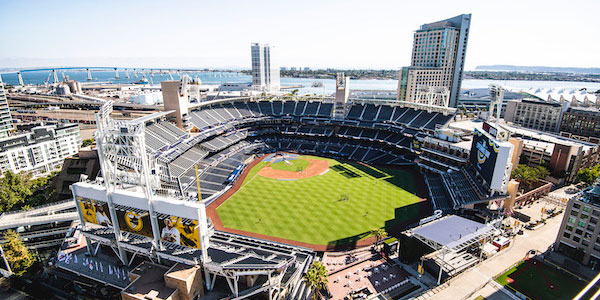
x=475 y=282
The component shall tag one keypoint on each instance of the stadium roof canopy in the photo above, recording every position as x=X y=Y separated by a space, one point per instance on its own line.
x=452 y=232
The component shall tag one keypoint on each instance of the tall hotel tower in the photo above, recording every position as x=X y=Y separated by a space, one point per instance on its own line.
x=438 y=59
x=265 y=70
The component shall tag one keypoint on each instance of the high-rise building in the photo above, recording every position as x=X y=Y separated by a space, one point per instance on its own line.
x=437 y=61
x=265 y=70
x=5 y=119
x=579 y=234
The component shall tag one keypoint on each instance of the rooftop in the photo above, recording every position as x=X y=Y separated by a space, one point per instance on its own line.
x=451 y=232
x=149 y=282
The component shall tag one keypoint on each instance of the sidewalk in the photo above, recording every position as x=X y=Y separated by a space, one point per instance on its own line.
x=474 y=282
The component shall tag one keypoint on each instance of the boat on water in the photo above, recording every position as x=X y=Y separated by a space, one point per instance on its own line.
x=144 y=80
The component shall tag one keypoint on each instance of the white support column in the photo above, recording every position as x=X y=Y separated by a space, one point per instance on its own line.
x=441 y=267
x=270 y=283
x=207 y=280
x=235 y=284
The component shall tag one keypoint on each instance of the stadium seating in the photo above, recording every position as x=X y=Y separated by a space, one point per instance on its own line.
x=228 y=132
x=437 y=193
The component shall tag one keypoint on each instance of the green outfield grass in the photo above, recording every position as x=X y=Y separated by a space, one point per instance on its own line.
x=541 y=282
x=313 y=210
x=295 y=165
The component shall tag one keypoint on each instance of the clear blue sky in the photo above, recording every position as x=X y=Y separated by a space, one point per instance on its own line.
x=349 y=34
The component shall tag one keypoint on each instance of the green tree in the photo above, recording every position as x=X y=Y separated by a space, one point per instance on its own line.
x=13 y=190
x=527 y=175
x=379 y=234
x=588 y=175
x=18 y=191
x=15 y=252
x=316 y=278
x=88 y=142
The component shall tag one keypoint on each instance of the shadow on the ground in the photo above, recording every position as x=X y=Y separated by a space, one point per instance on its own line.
x=403 y=216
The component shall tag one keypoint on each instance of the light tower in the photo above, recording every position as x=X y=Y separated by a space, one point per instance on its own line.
x=118 y=142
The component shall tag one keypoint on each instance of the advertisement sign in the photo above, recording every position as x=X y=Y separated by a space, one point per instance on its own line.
x=94 y=211
x=484 y=152
x=134 y=221
x=179 y=231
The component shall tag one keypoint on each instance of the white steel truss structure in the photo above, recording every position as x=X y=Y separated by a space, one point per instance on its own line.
x=123 y=159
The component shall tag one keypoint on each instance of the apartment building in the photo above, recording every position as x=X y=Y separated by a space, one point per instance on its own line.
x=41 y=150
x=579 y=234
x=5 y=120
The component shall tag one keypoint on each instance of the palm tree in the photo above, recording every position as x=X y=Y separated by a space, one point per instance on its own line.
x=379 y=234
x=316 y=278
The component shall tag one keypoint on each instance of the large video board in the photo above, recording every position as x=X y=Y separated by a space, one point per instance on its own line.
x=484 y=152
x=490 y=158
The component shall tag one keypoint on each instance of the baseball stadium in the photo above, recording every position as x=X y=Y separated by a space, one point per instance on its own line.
x=254 y=189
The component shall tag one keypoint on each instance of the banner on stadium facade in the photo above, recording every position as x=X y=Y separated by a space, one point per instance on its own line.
x=180 y=231
x=135 y=221
x=95 y=212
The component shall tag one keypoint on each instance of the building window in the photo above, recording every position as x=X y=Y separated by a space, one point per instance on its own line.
x=581 y=224
x=587 y=209
x=569 y=228
x=576 y=239
x=567 y=235
x=585 y=243
x=572 y=220
x=576 y=205
x=578 y=231
x=593 y=220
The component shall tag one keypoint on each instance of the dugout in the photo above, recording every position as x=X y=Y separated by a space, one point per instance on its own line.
x=456 y=242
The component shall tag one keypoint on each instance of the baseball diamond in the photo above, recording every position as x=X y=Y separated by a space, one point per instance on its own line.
x=324 y=202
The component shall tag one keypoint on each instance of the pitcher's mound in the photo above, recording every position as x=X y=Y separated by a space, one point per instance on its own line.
x=315 y=167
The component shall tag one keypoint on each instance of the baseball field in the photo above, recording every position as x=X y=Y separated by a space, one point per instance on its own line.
x=539 y=281
x=317 y=200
